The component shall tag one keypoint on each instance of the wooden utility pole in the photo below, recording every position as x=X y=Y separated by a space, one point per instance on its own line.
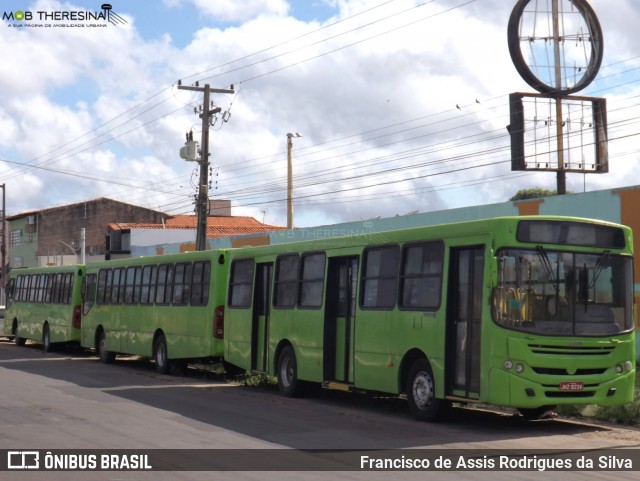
x=3 y=243
x=202 y=203
x=290 y=179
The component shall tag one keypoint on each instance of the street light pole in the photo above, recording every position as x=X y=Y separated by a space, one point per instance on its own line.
x=290 y=179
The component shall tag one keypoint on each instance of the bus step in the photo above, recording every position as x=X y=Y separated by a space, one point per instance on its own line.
x=337 y=386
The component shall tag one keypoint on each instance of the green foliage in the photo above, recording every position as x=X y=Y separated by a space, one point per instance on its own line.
x=628 y=414
x=534 y=193
x=258 y=380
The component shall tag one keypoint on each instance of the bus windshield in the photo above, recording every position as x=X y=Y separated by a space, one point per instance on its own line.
x=564 y=293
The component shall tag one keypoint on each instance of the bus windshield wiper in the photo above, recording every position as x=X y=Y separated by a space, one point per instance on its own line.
x=546 y=263
x=600 y=265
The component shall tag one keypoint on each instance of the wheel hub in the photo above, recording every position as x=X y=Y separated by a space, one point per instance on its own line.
x=423 y=390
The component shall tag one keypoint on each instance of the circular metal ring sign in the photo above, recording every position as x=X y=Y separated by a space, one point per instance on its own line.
x=556 y=50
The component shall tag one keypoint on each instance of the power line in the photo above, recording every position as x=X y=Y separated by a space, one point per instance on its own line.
x=345 y=168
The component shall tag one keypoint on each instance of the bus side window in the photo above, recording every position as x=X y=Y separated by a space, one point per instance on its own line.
x=41 y=287
x=68 y=286
x=132 y=285
x=33 y=287
x=241 y=283
x=59 y=289
x=148 y=290
x=380 y=277
x=286 y=282
x=88 y=293
x=164 y=287
x=103 y=281
x=48 y=288
x=182 y=284
x=312 y=279
x=421 y=276
x=17 y=291
x=200 y=283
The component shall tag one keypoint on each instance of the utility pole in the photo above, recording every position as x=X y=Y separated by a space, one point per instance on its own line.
x=202 y=203
x=290 y=179
x=83 y=245
x=3 y=243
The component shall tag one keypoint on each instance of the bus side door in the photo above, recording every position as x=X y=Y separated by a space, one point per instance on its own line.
x=260 y=317
x=464 y=314
x=339 y=330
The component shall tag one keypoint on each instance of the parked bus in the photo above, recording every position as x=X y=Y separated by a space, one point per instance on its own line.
x=44 y=304
x=523 y=312
x=169 y=307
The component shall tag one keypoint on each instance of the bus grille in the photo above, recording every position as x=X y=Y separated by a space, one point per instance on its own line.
x=556 y=371
x=569 y=394
x=571 y=350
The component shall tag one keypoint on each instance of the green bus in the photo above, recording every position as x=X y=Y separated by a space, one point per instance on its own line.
x=169 y=308
x=521 y=312
x=44 y=304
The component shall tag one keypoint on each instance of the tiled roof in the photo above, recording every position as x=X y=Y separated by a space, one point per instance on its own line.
x=221 y=221
x=216 y=226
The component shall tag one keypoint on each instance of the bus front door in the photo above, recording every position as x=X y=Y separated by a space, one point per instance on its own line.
x=339 y=326
x=260 y=322
x=464 y=309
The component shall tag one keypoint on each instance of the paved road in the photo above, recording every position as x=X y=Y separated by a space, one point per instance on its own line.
x=71 y=401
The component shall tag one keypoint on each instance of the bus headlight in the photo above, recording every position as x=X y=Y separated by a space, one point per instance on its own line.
x=519 y=368
x=618 y=369
x=628 y=366
x=508 y=364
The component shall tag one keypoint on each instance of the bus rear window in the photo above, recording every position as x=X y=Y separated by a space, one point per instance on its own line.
x=570 y=233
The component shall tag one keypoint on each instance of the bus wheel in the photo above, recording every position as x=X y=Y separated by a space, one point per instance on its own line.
x=421 y=393
x=46 y=339
x=104 y=355
x=160 y=355
x=287 y=373
x=20 y=341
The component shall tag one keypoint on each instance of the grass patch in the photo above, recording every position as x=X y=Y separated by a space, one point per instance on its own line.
x=627 y=414
x=258 y=380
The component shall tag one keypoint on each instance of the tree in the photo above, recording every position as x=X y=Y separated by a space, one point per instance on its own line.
x=534 y=193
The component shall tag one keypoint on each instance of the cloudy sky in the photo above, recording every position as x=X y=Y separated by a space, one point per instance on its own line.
x=402 y=104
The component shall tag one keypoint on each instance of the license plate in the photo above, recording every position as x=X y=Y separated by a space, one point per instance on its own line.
x=571 y=386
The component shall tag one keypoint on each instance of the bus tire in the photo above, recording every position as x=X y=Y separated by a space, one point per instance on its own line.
x=46 y=339
x=421 y=393
x=160 y=355
x=105 y=356
x=20 y=341
x=287 y=373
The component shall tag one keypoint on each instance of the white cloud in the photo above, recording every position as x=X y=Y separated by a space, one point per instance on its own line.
x=374 y=96
x=232 y=11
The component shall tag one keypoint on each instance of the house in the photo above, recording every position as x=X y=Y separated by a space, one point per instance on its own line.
x=111 y=230
x=53 y=236
x=126 y=239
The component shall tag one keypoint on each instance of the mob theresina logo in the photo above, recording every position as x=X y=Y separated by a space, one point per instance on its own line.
x=51 y=18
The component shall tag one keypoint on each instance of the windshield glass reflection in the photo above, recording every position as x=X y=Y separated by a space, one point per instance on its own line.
x=563 y=293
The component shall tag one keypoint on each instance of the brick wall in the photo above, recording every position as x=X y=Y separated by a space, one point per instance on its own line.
x=63 y=224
